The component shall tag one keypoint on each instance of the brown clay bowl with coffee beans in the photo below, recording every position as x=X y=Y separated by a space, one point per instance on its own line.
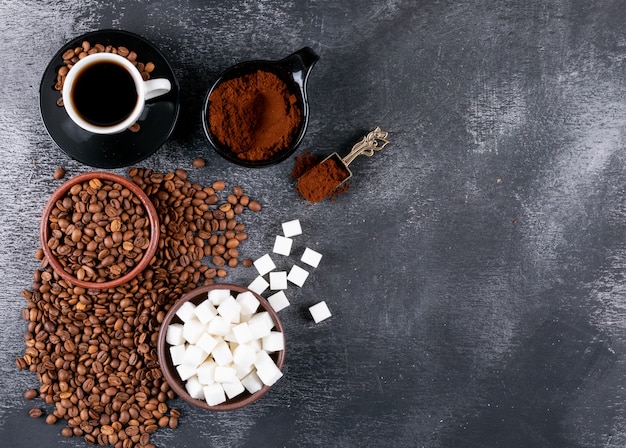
x=221 y=347
x=99 y=230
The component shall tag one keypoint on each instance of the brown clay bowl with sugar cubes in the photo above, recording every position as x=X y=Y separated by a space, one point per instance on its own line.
x=221 y=347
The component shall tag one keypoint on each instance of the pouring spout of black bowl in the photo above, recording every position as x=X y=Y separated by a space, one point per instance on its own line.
x=300 y=64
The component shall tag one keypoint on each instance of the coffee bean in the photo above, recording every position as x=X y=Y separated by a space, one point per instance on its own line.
x=199 y=162
x=35 y=412
x=254 y=206
x=31 y=394
x=59 y=173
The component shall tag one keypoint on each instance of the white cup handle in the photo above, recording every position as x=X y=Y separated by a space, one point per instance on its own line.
x=156 y=87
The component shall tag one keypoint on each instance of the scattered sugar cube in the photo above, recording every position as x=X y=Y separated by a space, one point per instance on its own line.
x=282 y=245
x=194 y=356
x=224 y=374
x=192 y=330
x=258 y=285
x=319 y=311
x=311 y=257
x=217 y=296
x=206 y=372
x=205 y=311
x=206 y=343
x=252 y=382
x=186 y=311
x=244 y=355
x=292 y=228
x=185 y=371
x=260 y=324
x=214 y=394
x=218 y=326
x=242 y=333
x=278 y=301
x=221 y=354
x=177 y=352
x=273 y=342
x=229 y=309
x=266 y=370
x=264 y=264
x=278 y=280
x=297 y=275
x=248 y=302
x=194 y=388
x=174 y=335
x=233 y=388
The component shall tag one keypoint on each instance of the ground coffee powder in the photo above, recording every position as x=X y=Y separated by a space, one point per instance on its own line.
x=254 y=116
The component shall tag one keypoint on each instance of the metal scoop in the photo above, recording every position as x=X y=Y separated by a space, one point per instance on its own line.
x=374 y=141
x=320 y=181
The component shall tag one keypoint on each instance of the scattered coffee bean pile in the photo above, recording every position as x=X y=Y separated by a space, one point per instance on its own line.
x=94 y=351
x=99 y=231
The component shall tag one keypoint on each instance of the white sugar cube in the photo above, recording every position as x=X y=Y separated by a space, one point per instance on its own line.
x=207 y=343
x=252 y=382
x=258 y=285
x=192 y=330
x=194 y=356
x=218 y=326
x=260 y=324
x=229 y=309
x=256 y=344
x=266 y=370
x=282 y=245
x=248 y=302
x=278 y=301
x=297 y=275
x=217 y=296
x=205 y=311
x=320 y=311
x=214 y=394
x=177 y=352
x=186 y=311
x=278 y=280
x=194 y=388
x=233 y=388
x=244 y=355
x=221 y=354
x=174 y=335
x=206 y=372
x=264 y=264
x=311 y=257
x=242 y=333
x=185 y=371
x=292 y=228
x=273 y=342
x=242 y=371
x=224 y=374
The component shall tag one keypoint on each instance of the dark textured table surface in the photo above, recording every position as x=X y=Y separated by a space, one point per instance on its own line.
x=475 y=268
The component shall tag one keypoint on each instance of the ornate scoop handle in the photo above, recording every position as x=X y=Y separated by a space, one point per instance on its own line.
x=374 y=141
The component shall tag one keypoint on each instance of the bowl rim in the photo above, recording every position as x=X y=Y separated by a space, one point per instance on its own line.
x=168 y=369
x=44 y=229
x=245 y=68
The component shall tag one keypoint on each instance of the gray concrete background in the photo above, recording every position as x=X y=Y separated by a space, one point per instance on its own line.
x=475 y=268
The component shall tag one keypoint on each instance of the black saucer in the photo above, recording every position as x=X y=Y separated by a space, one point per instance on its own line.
x=118 y=150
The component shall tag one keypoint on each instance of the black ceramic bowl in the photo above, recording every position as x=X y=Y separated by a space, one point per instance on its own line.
x=293 y=71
